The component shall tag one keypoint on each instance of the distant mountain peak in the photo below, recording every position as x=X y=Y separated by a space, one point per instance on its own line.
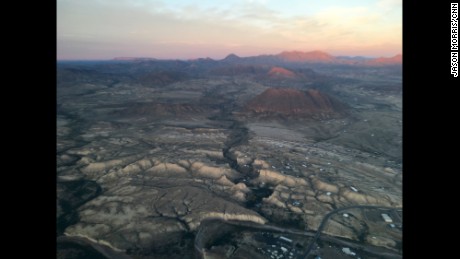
x=231 y=57
x=397 y=59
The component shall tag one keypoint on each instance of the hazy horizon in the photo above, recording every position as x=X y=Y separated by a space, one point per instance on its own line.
x=190 y=29
x=220 y=58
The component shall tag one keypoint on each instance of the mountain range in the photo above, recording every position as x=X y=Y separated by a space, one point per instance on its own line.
x=294 y=57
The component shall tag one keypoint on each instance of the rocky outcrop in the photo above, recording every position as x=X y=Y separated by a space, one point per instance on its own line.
x=323 y=186
x=275 y=178
x=361 y=198
x=92 y=168
x=280 y=73
x=225 y=216
x=165 y=168
x=260 y=163
x=203 y=170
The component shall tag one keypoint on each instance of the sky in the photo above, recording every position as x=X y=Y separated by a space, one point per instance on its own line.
x=188 y=29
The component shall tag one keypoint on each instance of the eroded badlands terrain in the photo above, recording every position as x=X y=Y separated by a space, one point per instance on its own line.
x=147 y=151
